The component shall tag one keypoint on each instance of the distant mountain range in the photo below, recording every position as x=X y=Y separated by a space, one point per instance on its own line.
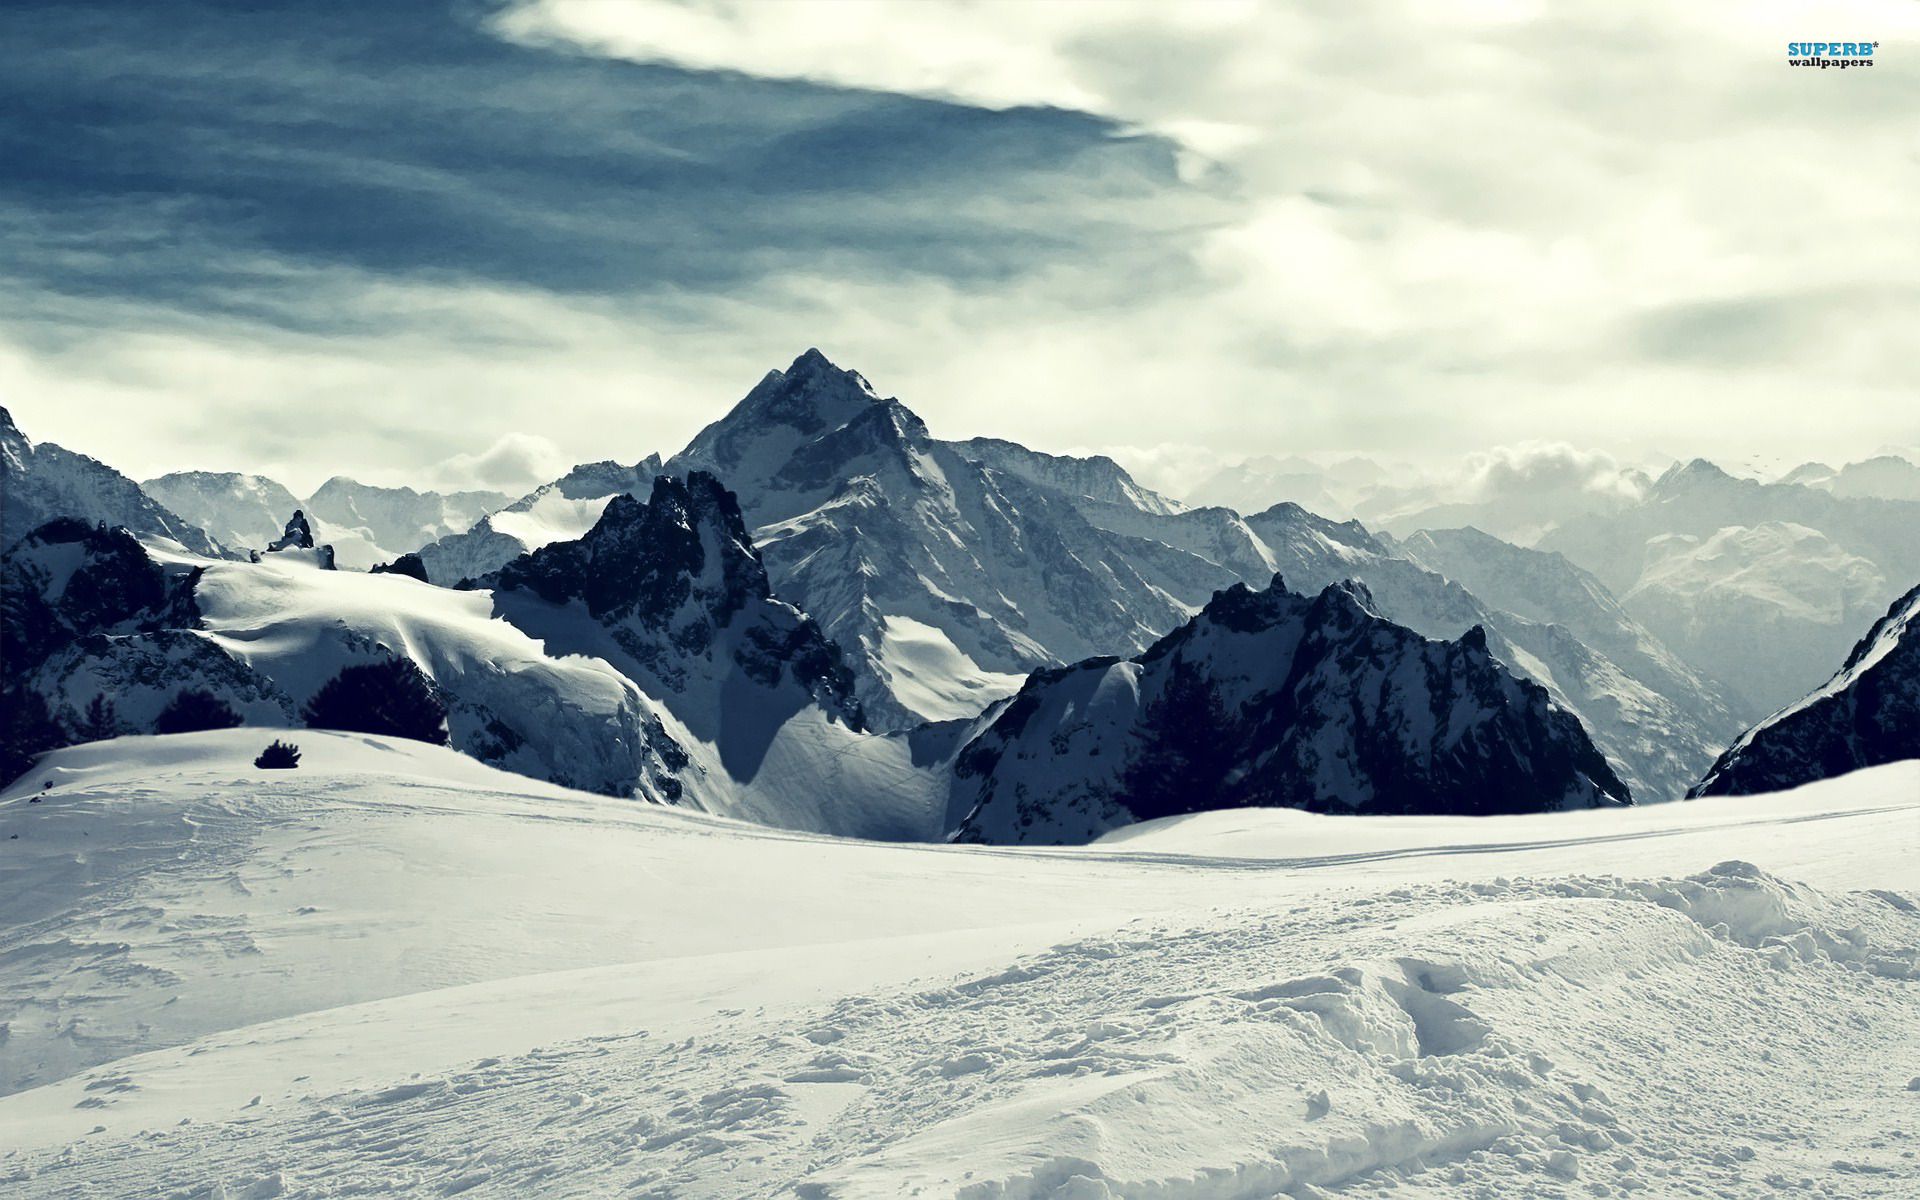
x=1764 y=586
x=814 y=610
x=947 y=570
x=364 y=524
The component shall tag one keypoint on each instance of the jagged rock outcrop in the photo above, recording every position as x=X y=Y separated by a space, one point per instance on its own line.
x=85 y=612
x=1273 y=698
x=295 y=543
x=678 y=583
x=407 y=564
x=1866 y=715
x=298 y=535
x=672 y=594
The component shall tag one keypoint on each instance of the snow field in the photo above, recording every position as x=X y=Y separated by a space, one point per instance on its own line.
x=399 y=972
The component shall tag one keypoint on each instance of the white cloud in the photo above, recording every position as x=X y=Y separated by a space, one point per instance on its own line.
x=1432 y=229
x=1547 y=471
x=1455 y=225
x=515 y=464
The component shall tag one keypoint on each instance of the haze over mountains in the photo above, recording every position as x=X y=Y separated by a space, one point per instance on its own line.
x=818 y=615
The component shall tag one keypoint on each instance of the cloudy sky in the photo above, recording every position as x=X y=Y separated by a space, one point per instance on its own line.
x=472 y=243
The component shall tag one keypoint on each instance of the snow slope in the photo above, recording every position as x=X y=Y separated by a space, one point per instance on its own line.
x=396 y=971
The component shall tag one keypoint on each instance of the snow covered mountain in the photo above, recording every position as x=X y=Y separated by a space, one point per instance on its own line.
x=1275 y=699
x=552 y=512
x=1866 y=715
x=1709 y=562
x=1545 y=588
x=86 y=613
x=40 y=482
x=240 y=510
x=1776 y=584
x=1886 y=476
x=396 y=520
x=676 y=599
x=365 y=524
x=939 y=576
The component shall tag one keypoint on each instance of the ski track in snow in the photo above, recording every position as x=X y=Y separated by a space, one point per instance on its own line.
x=1428 y=1008
x=1565 y=1037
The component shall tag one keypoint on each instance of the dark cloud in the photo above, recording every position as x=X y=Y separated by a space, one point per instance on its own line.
x=187 y=155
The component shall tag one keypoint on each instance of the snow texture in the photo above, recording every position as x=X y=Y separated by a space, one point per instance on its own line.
x=362 y=977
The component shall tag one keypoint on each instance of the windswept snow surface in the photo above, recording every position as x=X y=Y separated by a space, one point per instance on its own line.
x=933 y=677
x=396 y=971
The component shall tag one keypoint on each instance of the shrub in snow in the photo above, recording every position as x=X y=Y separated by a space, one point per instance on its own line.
x=280 y=756
x=193 y=710
x=390 y=697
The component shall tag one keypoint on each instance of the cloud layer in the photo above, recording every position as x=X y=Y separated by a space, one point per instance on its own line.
x=373 y=238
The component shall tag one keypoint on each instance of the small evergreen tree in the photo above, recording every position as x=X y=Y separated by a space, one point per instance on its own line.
x=102 y=720
x=280 y=756
x=194 y=710
x=390 y=696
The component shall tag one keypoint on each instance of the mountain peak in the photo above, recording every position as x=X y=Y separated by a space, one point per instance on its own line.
x=644 y=558
x=786 y=408
x=813 y=367
x=1697 y=473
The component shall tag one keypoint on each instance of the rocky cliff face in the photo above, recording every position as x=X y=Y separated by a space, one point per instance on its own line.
x=85 y=612
x=1273 y=698
x=678 y=583
x=1866 y=715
